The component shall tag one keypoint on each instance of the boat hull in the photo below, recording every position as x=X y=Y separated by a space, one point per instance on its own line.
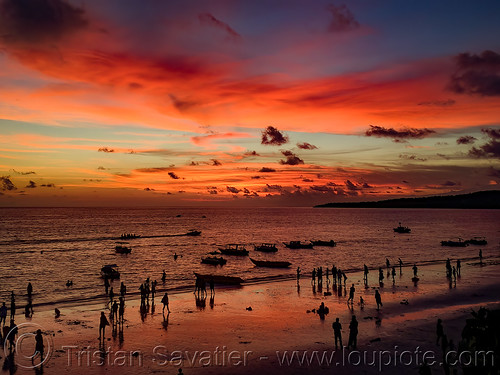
x=270 y=264
x=220 y=279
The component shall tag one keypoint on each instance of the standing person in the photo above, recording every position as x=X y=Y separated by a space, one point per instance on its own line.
x=337 y=328
x=378 y=299
x=3 y=314
x=121 y=309
x=415 y=270
x=400 y=265
x=212 y=286
x=298 y=274
x=38 y=346
x=163 y=276
x=353 y=333
x=459 y=266
x=103 y=322
x=380 y=275
x=439 y=331
x=313 y=278
x=29 y=290
x=123 y=289
x=480 y=256
x=114 y=311
x=387 y=263
x=164 y=300
x=365 y=273
x=11 y=336
x=111 y=295
x=106 y=284
x=351 y=294
x=12 y=305
x=393 y=274
x=153 y=291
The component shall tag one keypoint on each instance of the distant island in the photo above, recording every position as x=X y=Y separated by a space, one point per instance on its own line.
x=478 y=200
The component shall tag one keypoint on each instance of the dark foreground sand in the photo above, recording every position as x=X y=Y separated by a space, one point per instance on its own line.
x=278 y=336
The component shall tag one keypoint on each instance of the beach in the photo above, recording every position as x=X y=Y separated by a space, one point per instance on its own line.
x=279 y=334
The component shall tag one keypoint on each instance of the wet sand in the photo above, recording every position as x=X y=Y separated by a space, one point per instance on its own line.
x=224 y=337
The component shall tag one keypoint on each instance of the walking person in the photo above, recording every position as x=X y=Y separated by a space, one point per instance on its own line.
x=3 y=314
x=351 y=295
x=29 y=290
x=103 y=322
x=378 y=299
x=164 y=300
x=298 y=274
x=353 y=333
x=337 y=328
x=380 y=275
x=365 y=273
x=39 y=347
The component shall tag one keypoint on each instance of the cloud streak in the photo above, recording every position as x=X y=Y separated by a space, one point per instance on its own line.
x=272 y=136
x=404 y=133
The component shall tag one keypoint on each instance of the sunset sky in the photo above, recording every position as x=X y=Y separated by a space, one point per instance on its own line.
x=261 y=103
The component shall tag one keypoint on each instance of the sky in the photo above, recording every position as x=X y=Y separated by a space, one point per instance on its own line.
x=246 y=103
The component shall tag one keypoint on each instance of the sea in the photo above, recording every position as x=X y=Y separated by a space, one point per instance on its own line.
x=49 y=246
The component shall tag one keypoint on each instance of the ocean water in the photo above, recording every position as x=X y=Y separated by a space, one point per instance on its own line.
x=48 y=246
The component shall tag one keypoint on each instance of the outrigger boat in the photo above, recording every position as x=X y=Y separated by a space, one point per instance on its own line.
x=330 y=243
x=266 y=248
x=216 y=261
x=298 y=245
x=110 y=271
x=220 y=279
x=270 y=263
x=401 y=229
x=233 y=249
x=477 y=241
x=458 y=243
x=120 y=249
x=193 y=232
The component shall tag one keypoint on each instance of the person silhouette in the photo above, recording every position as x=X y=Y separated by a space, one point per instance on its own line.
x=365 y=273
x=380 y=275
x=459 y=266
x=351 y=294
x=164 y=276
x=480 y=256
x=29 y=290
x=164 y=300
x=393 y=274
x=337 y=332
x=400 y=265
x=12 y=304
x=439 y=331
x=415 y=270
x=298 y=274
x=387 y=263
x=121 y=309
x=103 y=322
x=39 y=347
x=313 y=276
x=3 y=314
x=378 y=299
x=353 y=333
x=106 y=284
x=123 y=289
x=212 y=286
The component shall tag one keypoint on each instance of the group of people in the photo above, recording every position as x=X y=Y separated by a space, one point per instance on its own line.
x=317 y=274
x=353 y=333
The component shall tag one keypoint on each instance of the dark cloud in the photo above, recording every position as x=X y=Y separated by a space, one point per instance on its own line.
x=272 y=136
x=153 y=170
x=379 y=131
x=476 y=74
x=307 y=180
x=232 y=189
x=306 y=146
x=443 y=156
x=193 y=163
x=273 y=188
x=209 y=19
x=38 y=21
x=6 y=184
x=438 y=103
x=490 y=149
x=212 y=191
x=411 y=157
x=351 y=186
x=251 y=153
x=149 y=189
x=31 y=185
x=342 y=19
x=291 y=158
x=466 y=140
x=182 y=105
x=450 y=184
x=22 y=173
x=101 y=168
x=366 y=186
x=173 y=175
x=215 y=162
x=105 y=149
x=48 y=185
x=267 y=170
x=256 y=177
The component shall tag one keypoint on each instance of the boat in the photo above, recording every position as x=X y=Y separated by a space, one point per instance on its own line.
x=477 y=241
x=193 y=232
x=233 y=249
x=401 y=229
x=330 y=243
x=270 y=263
x=220 y=279
x=452 y=243
x=121 y=249
x=216 y=261
x=266 y=248
x=110 y=271
x=298 y=245
x=129 y=236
